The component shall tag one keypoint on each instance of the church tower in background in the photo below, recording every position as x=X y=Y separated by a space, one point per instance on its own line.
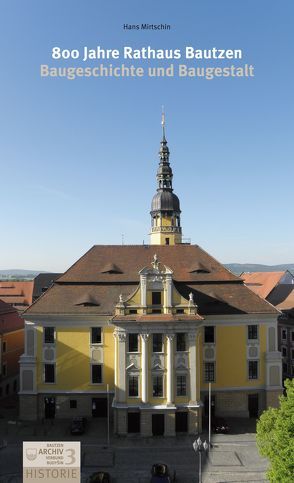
x=165 y=208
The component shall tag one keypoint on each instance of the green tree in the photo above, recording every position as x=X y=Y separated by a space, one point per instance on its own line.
x=275 y=437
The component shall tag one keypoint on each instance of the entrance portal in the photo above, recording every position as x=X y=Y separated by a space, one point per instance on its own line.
x=49 y=407
x=99 y=407
x=133 y=422
x=253 y=405
x=181 y=422
x=157 y=424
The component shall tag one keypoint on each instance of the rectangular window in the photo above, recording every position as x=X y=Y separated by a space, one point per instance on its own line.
x=4 y=369
x=209 y=372
x=284 y=351
x=292 y=354
x=156 y=298
x=181 y=342
x=133 y=343
x=133 y=311
x=157 y=386
x=285 y=368
x=133 y=386
x=49 y=335
x=73 y=404
x=284 y=334
x=293 y=370
x=157 y=340
x=96 y=373
x=180 y=311
x=49 y=373
x=181 y=385
x=209 y=335
x=4 y=347
x=252 y=332
x=96 y=335
x=253 y=369
x=292 y=336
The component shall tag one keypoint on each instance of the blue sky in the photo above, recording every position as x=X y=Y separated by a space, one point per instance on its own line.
x=78 y=158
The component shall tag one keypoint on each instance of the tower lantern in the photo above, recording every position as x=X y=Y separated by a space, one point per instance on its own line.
x=165 y=207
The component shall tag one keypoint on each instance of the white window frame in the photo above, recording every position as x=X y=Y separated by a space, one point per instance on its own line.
x=102 y=374
x=131 y=374
x=187 y=382
x=162 y=345
x=96 y=327
x=257 y=338
x=258 y=369
x=138 y=342
x=54 y=335
x=214 y=372
x=158 y=374
x=49 y=364
x=214 y=334
x=186 y=345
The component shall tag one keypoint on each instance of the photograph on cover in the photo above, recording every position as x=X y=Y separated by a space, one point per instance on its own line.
x=146 y=262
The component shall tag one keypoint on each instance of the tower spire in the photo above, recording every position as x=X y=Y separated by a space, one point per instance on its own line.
x=165 y=208
x=163 y=124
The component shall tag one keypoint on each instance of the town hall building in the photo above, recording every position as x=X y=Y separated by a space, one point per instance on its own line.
x=141 y=330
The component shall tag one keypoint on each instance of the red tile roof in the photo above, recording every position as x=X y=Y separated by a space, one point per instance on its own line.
x=9 y=318
x=17 y=292
x=216 y=292
x=262 y=283
x=130 y=259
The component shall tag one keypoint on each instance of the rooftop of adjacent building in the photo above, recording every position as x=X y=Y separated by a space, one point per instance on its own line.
x=276 y=287
x=9 y=318
x=19 y=294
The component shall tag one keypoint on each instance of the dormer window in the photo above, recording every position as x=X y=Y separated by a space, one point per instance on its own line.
x=156 y=298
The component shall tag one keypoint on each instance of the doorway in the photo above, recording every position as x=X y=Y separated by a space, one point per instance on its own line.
x=206 y=406
x=181 y=422
x=49 y=407
x=133 y=422
x=253 y=405
x=157 y=424
x=99 y=407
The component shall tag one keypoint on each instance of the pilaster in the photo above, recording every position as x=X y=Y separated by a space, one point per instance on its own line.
x=170 y=369
x=144 y=338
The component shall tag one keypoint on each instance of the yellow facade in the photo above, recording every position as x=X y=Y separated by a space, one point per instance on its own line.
x=73 y=368
x=231 y=358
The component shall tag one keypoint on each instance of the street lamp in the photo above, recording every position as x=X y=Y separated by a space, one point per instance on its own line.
x=198 y=447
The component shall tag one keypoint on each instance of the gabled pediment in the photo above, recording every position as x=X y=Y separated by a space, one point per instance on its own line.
x=131 y=367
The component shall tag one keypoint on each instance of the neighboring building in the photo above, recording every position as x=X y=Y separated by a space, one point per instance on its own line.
x=278 y=289
x=18 y=294
x=11 y=348
x=152 y=325
x=42 y=282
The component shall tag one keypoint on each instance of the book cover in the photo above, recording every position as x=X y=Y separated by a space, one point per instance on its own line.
x=91 y=93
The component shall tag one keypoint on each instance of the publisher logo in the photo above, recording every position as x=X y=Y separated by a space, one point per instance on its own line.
x=31 y=453
x=51 y=461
